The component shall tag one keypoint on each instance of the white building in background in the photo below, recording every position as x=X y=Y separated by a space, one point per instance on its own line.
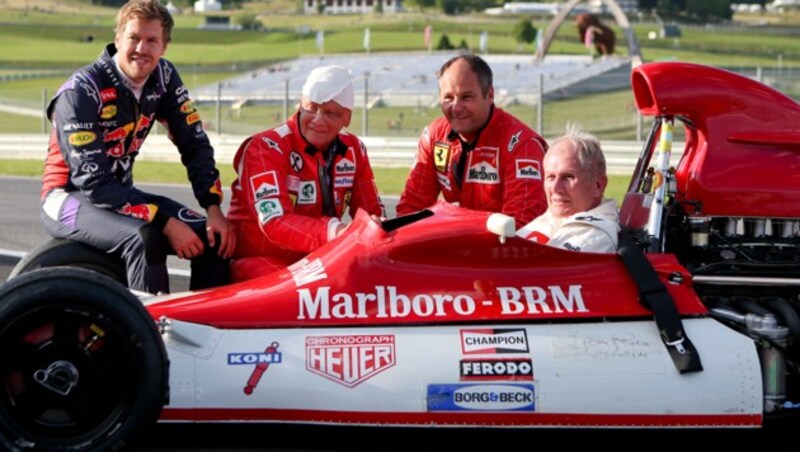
x=207 y=5
x=552 y=8
x=784 y=5
x=172 y=8
x=350 y=6
x=627 y=6
x=544 y=9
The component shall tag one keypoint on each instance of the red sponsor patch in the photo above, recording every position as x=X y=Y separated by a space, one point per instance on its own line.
x=265 y=185
x=108 y=94
x=483 y=167
x=538 y=237
x=528 y=169
x=350 y=359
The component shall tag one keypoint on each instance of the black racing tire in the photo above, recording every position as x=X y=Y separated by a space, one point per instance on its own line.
x=83 y=366
x=69 y=253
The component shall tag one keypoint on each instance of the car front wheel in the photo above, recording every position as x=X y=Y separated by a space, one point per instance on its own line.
x=83 y=366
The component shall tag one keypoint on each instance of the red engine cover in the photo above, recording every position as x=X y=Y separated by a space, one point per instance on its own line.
x=742 y=155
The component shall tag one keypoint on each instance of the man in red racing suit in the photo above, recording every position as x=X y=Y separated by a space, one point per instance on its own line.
x=477 y=155
x=100 y=118
x=297 y=180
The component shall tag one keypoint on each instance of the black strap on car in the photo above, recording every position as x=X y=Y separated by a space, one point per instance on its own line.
x=654 y=296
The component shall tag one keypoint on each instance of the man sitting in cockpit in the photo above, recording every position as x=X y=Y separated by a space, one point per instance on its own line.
x=577 y=216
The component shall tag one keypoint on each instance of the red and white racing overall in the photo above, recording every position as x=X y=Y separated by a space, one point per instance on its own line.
x=501 y=171
x=289 y=198
x=87 y=188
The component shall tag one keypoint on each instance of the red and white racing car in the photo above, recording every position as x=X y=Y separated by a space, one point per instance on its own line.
x=444 y=317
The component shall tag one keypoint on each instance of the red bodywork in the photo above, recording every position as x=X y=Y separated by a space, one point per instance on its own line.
x=443 y=269
x=741 y=155
x=740 y=159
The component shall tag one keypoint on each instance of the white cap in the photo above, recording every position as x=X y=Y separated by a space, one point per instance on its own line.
x=328 y=83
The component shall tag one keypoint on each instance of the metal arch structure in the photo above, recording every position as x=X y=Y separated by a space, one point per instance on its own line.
x=634 y=51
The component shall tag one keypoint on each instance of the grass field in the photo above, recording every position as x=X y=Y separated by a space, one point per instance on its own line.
x=53 y=36
x=38 y=38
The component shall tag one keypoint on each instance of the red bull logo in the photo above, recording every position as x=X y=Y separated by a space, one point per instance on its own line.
x=118 y=134
x=144 y=121
x=144 y=212
x=116 y=151
x=136 y=144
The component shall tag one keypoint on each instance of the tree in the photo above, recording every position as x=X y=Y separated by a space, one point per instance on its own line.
x=231 y=4
x=108 y=2
x=462 y=6
x=703 y=10
x=248 y=21
x=422 y=4
x=453 y=6
x=444 y=43
x=709 y=9
x=448 y=6
x=524 y=32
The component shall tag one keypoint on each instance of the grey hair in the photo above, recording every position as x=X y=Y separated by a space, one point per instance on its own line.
x=587 y=146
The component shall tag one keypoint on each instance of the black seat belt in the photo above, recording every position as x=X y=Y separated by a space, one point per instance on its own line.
x=655 y=297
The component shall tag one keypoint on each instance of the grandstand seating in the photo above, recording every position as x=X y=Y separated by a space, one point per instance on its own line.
x=409 y=79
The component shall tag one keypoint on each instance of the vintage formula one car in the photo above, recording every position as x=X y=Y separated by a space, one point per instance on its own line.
x=444 y=317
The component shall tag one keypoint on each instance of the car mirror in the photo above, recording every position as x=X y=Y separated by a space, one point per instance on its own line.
x=502 y=226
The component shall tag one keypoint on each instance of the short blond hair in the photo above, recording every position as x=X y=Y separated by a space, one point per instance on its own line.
x=145 y=10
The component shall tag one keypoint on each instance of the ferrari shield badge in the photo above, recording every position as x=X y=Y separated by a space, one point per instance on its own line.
x=441 y=155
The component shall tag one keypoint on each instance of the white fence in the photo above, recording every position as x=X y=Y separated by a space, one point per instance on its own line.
x=621 y=156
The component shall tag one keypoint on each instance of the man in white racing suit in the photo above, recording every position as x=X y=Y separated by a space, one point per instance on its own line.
x=577 y=217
